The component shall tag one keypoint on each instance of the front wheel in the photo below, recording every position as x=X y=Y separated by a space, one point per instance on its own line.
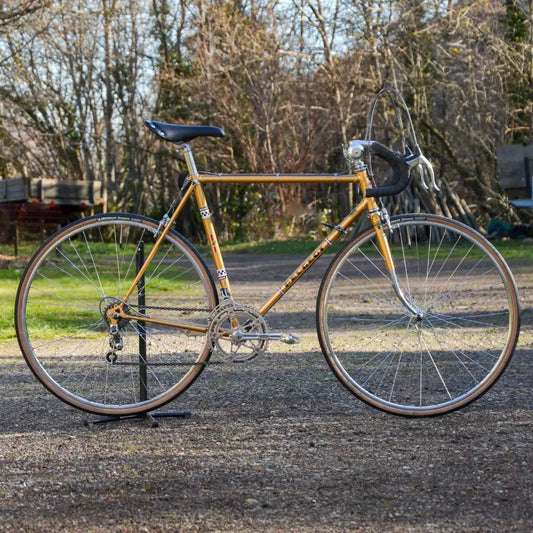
x=67 y=339
x=440 y=360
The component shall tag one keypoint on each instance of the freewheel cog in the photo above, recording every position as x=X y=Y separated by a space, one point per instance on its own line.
x=231 y=331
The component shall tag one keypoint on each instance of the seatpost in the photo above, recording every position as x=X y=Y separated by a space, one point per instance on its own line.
x=189 y=159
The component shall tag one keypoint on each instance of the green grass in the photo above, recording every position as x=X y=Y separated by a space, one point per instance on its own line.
x=511 y=249
x=47 y=319
x=25 y=248
x=9 y=278
x=515 y=249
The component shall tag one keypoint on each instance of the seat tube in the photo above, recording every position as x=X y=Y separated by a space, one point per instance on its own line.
x=209 y=228
x=212 y=240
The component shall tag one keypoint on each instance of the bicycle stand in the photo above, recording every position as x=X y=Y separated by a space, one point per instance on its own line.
x=150 y=417
x=143 y=377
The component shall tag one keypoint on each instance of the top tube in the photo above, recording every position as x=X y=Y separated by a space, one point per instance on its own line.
x=209 y=177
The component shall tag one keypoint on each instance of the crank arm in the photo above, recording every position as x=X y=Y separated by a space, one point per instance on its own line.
x=287 y=338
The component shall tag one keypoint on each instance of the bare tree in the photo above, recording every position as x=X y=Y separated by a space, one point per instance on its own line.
x=13 y=11
x=289 y=82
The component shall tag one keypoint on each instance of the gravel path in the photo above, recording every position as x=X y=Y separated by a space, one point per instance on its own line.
x=273 y=445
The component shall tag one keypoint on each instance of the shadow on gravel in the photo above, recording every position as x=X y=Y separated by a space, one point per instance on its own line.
x=273 y=445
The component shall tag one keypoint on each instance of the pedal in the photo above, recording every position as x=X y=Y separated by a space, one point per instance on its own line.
x=289 y=338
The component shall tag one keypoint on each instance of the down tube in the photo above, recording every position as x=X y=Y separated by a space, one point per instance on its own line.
x=319 y=250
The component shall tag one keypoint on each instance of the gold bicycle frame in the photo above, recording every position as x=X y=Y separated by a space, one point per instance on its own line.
x=368 y=205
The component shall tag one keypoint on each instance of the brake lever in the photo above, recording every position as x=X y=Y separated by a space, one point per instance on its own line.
x=423 y=165
x=429 y=167
x=422 y=173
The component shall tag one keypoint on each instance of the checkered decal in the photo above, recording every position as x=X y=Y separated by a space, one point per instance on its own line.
x=222 y=273
x=204 y=211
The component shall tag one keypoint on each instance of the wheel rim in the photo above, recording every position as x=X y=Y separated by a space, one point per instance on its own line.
x=64 y=335
x=391 y=359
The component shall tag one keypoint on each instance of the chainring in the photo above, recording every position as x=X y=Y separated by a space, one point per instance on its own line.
x=228 y=323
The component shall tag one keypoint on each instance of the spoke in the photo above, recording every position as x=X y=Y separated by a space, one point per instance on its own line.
x=438 y=298
x=371 y=360
x=75 y=249
x=85 y=305
x=405 y=264
x=483 y=352
x=387 y=357
x=134 y=383
x=440 y=341
x=468 y=318
x=388 y=301
x=396 y=375
x=467 y=280
x=424 y=347
x=435 y=255
x=90 y=327
x=388 y=361
x=160 y=262
x=167 y=280
x=389 y=324
x=71 y=305
x=71 y=276
x=117 y=245
x=87 y=276
x=199 y=300
x=375 y=340
x=152 y=338
x=133 y=257
x=431 y=255
x=92 y=258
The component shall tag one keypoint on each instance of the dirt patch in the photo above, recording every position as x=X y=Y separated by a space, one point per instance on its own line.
x=272 y=445
x=6 y=260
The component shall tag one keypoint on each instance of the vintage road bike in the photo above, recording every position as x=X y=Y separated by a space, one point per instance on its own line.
x=417 y=315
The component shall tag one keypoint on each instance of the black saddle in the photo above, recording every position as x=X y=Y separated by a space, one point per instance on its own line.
x=181 y=134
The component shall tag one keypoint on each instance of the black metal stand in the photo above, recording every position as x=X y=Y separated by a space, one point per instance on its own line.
x=149 y=417
x=141 y=327
x=143 y=364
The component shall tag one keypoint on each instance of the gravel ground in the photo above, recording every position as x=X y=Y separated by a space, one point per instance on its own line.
x=272 y=445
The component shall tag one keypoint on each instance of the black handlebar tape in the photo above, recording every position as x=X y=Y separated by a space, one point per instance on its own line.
x=400 y=167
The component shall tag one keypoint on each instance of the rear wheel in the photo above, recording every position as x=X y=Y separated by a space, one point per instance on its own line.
x=64 y=333
x=430 y=364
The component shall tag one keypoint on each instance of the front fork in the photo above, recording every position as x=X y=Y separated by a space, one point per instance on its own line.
x=376 y=218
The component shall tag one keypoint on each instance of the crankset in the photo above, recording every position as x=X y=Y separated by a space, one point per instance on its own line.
x=240 y=333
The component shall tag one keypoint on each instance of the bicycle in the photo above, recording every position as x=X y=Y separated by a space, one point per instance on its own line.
x=416 y=315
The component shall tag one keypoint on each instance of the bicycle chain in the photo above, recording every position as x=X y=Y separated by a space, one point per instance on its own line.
x=163 y=308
